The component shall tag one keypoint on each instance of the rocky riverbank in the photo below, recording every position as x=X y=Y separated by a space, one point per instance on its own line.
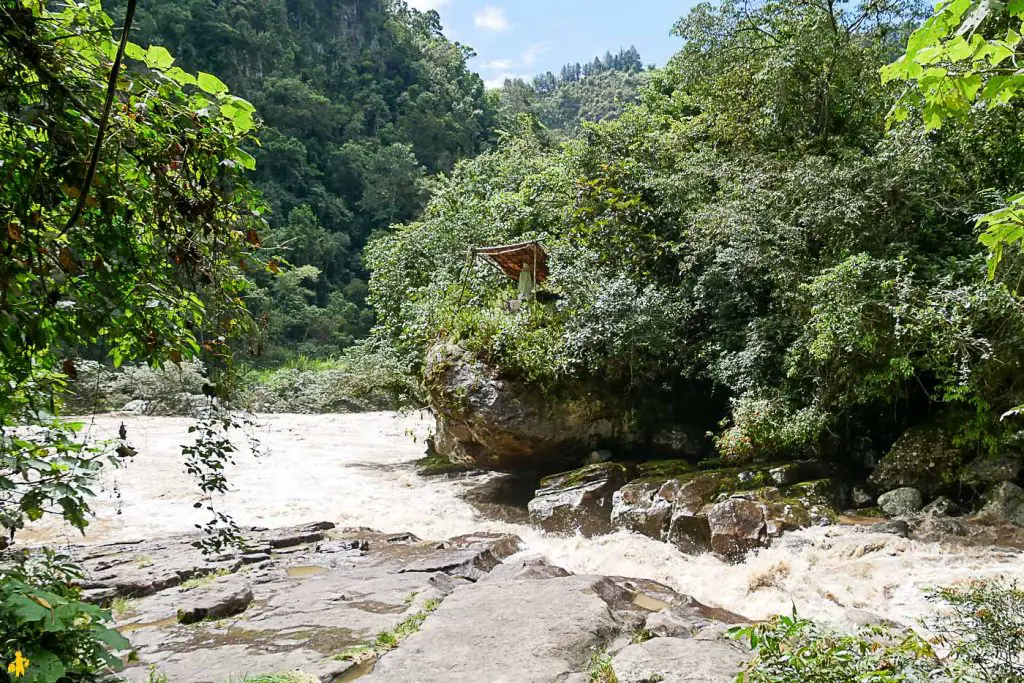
x=360 y=471
x=339 y=604
x=613 y=473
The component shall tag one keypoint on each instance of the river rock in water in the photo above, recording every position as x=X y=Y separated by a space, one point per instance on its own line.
x=578 y=501
x=492 y=423
x=1005 y=502
x=678 y=510
x=901 y=502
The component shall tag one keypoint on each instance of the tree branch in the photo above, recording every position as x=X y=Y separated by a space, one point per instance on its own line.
x=115 y=70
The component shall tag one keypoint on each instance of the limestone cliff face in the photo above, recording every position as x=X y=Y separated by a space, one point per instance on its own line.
x=488 y=422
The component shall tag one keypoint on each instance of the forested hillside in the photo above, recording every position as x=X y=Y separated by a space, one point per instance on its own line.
x=593 y=91
x=361 y=101
x=753 y=250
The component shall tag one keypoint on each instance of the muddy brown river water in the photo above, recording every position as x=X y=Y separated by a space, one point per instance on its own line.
x=357 y=470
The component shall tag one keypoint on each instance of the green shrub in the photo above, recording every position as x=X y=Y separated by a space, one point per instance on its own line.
x=364 y=378
x=794 y=650
x=981 y=626
x=43 y=618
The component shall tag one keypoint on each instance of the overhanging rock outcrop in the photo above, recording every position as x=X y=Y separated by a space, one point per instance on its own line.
x=489 y=422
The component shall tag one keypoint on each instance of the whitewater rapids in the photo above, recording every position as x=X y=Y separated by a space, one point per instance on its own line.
x=357 y=470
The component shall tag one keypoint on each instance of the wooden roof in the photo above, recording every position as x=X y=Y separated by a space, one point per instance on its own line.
x=511 y=258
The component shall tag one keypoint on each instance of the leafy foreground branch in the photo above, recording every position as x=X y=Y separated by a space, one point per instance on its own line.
x=979 y=626
x=127 y=230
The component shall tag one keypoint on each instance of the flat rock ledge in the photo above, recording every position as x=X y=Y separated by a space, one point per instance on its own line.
x=314 y=600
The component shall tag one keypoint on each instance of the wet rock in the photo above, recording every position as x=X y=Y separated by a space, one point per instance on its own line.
x=736 y=526
x=541 y=625
x=799 y=506
x=297 y=620
x=488 y=422
x=688 y=526
x=938 y=528
x=896 y=527
x=467 y=557
x=580 y=500
x=943 y=506
x=99 y=596
x=224 y=598
x=539 y=629
x=286 y=538
x=922 y=458
x=255 y=558
x=669 y=624
x=861 y=618
x=1004 y=503
x=527 y=617
x=678 y=660
x=403 y=538
x=985 y=471
x=860 y=498
x=901 y=502
x=796 y=472
x=644 y=507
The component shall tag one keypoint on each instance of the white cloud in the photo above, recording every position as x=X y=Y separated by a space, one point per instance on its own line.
x=425 y=5
x=531 y=53
x=492 y=19
x=498 y=64
x=499 y=80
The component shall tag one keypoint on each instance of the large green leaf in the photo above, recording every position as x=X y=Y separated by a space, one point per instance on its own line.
x=158 y=57
x=211 y=84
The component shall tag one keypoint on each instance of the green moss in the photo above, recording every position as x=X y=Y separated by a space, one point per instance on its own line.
x=654 y=470
x=584 y=475
x=601 y=670
x=820 y=491
x=389 y=640
x=356 y=653
x=284 y=677
x=434 y=464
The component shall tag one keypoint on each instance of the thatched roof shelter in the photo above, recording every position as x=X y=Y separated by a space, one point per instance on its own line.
x=511 y=259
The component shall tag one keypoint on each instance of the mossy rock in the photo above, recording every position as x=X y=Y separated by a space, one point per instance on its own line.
x=662 y=470
x=434 y=464
x=923 y=458
x=586 y=475
x=821 y=491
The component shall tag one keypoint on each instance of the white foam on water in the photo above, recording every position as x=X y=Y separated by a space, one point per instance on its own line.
x=355 y=470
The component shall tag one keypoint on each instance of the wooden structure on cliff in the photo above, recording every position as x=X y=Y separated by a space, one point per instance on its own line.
x=525 y=263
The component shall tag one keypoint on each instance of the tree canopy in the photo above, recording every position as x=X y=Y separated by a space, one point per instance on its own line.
x=361 y=103
x=749 y=247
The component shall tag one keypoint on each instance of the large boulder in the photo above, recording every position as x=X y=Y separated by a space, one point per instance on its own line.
x=641 y=507
x=645 y=505
x=901 y=502
x=490 y=422
x=986 y=470
x=1004 y=503
x=578 y=501
x=922 y=458
x=737 y=525
x=678 y=509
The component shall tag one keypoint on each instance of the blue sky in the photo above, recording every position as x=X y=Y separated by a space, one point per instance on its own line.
x=526 y=37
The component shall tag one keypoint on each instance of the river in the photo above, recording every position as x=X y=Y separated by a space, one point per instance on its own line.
x=357 y=470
